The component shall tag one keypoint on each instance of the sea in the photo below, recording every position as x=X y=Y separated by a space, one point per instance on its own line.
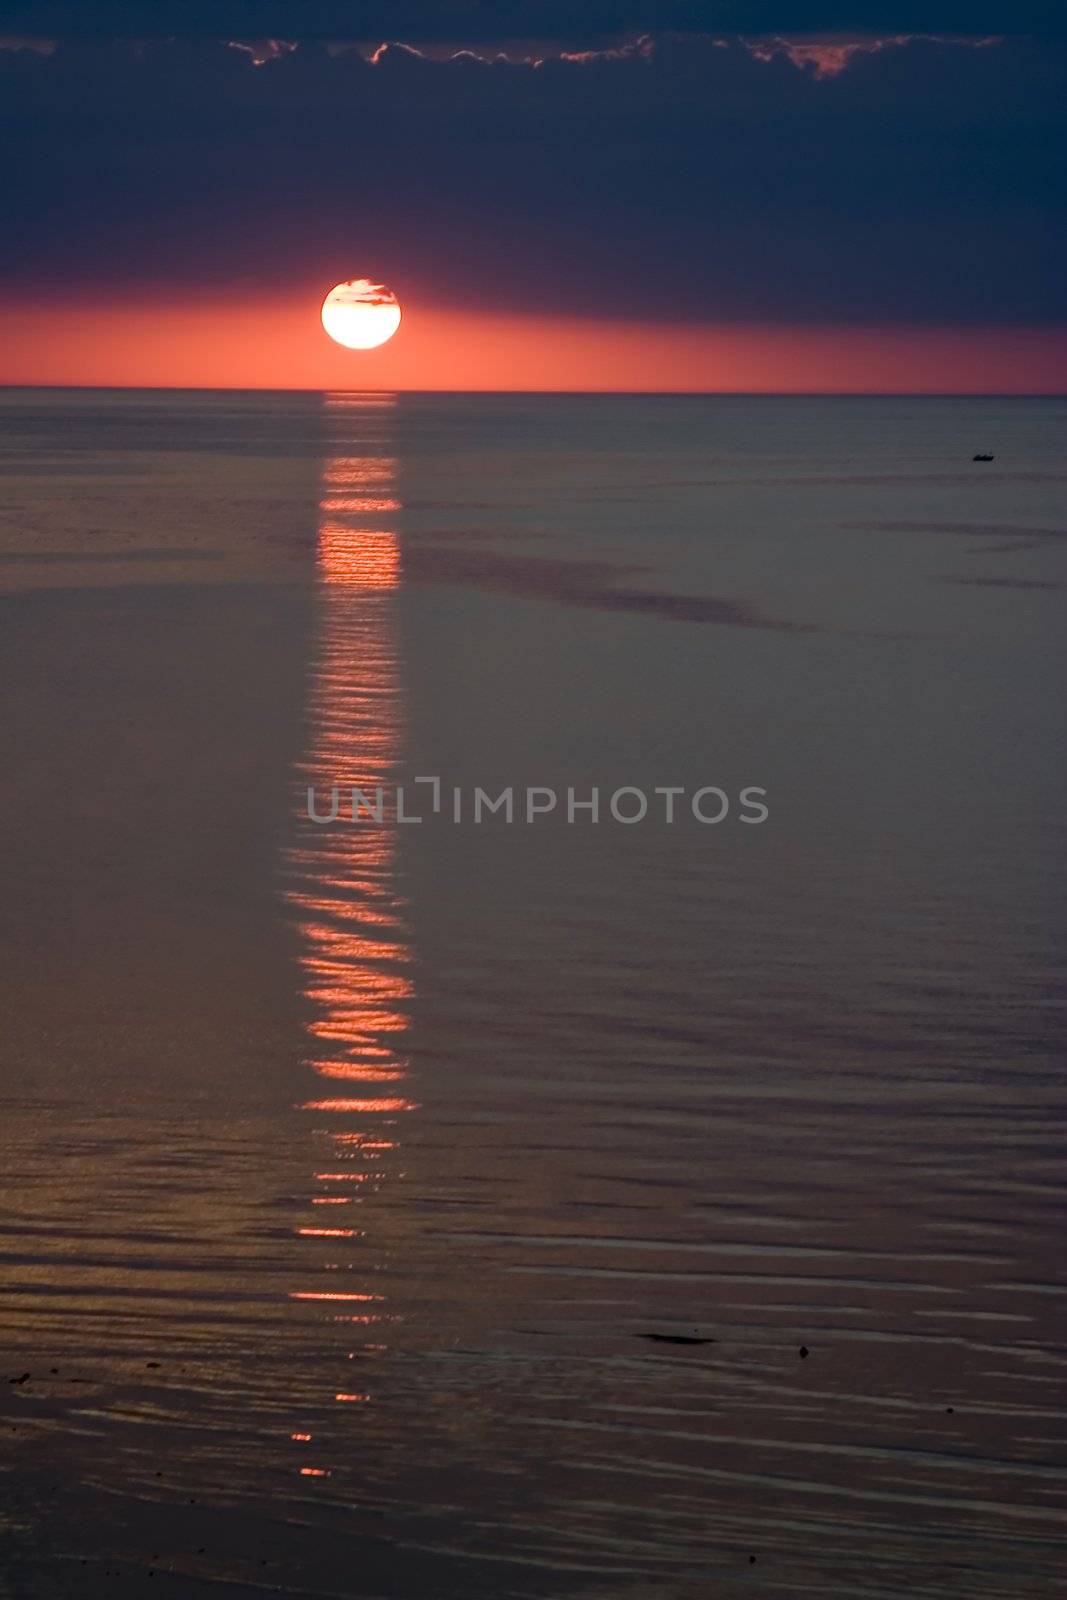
x=619 y=1155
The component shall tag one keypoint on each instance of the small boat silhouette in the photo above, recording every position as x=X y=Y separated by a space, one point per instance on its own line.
x=981 y=458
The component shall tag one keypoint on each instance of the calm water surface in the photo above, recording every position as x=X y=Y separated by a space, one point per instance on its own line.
x=360 y=1183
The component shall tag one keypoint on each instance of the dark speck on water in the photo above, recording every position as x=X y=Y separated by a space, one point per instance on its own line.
x=677 y=1338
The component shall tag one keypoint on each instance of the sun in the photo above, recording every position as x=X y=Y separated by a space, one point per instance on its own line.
x=361 y=314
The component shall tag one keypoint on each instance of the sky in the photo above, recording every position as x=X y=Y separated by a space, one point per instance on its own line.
x=661 y=195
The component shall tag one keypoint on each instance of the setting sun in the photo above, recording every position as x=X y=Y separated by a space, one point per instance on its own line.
x=361 y=314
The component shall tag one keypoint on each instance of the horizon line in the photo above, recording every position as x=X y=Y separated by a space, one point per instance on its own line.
x=676 y=394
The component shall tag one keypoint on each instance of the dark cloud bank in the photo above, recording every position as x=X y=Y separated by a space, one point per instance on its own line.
x=477 y=20
x=678 y=175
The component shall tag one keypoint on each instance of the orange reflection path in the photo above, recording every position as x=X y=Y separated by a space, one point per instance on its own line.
x=355 y=959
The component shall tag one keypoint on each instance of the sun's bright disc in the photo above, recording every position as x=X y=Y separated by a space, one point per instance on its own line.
x=361 y=314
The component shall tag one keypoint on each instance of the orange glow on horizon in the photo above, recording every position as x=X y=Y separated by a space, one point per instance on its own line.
x=277 y=343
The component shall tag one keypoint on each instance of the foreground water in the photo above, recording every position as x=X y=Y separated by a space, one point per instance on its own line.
x=361 y=1184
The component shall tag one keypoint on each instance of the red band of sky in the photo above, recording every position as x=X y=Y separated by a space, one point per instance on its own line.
x=279 y=344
